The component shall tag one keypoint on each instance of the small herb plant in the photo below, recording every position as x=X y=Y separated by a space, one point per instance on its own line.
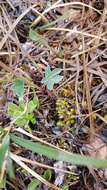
x=35 y=182
x=66 y=112
x=51 y=77
x=22 y=113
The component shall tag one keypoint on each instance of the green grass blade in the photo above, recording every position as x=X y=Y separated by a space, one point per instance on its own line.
x=35 y=37
x=56 y=154
x=10 y=168
x=60 y=18
x=4 y=148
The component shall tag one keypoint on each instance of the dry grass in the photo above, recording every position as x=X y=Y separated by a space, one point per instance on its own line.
x=78 y=45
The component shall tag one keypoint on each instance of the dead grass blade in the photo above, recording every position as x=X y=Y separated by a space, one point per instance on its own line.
x=101 y=118
x=41 y=15
x=45 y=166
x=11 y=5
x=76 y=85
x=14 y=25
x=73 y=3
x=75 y=31
x=6 y=68
x=20 y=130
x=58 y=5
x=88 y=50
x=87 y=92
x=100 y=29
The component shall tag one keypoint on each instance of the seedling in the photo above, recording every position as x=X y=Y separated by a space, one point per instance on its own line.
x=22 y=113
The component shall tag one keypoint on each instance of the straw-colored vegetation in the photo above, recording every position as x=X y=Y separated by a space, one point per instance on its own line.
x=53 y=94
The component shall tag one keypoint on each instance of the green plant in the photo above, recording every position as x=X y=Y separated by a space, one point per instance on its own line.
x=66 y=187
x=23 y=113
x=51 y=77
x=35 y=183
x=4 y=148
x=5 y=159
x=47 y=174
x=66 y=112
x=39 y=38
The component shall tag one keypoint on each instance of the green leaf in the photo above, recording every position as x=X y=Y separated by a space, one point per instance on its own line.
x=18 y=88
x=33 y=104
x=57 y=79
x=66 y=187
x=15 y=110
x=10 y=169
x=34 y=36
x=47 y=175
x=17 y=113
x=4 y=148
x=21 y=116
x=31 y=118
x=2 y=130
x=33 y=184
x=50 y=85
x=3 y=183
x=22 y=121
x=54 y=153
x=51 y=77
x=47 y=72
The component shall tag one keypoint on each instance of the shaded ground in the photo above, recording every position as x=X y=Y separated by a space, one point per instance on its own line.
x=77 y=44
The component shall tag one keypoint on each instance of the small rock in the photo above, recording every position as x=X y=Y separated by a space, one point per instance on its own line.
x=59 y=175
